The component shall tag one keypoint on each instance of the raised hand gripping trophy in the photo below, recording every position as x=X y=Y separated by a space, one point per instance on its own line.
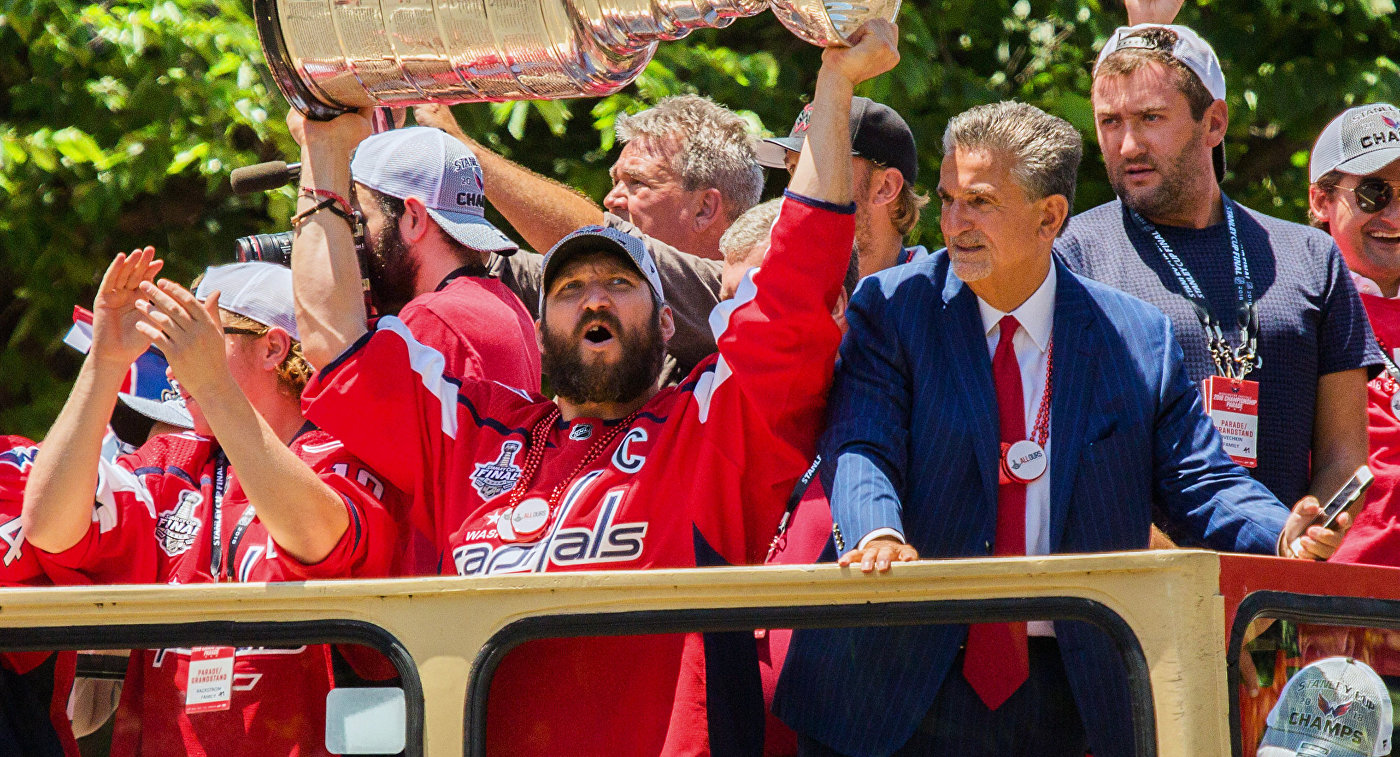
x=331 y=56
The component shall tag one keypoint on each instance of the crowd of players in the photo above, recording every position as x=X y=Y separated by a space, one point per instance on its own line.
x=690 y=337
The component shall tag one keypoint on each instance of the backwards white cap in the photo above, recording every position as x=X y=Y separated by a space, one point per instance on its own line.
x=257 y=290
x=1190 y=49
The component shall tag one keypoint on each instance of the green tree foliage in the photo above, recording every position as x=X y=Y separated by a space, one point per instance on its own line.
x=119 y=123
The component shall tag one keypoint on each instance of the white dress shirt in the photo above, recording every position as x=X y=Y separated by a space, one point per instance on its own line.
x=1032 y=343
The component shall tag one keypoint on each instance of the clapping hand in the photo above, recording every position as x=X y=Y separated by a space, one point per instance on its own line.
x=115 y=338
x=189 y=332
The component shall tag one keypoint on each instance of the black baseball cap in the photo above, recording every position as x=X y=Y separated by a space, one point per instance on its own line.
x=878 y=134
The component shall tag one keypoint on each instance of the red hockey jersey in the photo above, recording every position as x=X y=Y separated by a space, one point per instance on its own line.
x=700 y=478
x=36 y=685
x=154 y=522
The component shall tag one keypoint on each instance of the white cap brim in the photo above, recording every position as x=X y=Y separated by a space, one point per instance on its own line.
x=473 y=231
x=1369 y=162
x=173 y=413
x=1276 y=751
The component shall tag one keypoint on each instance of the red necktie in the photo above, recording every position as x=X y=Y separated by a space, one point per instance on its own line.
x=996 y=661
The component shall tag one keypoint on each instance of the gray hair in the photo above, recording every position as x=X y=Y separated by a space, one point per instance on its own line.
x=1045 y=149
x=749 y=230
x=715 y=147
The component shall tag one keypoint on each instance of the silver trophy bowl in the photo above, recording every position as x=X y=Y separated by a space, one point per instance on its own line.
x=332 y=56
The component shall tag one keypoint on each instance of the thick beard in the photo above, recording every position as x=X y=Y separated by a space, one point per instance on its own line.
x=1173 y=196
x=643 y=355
x=392 y=271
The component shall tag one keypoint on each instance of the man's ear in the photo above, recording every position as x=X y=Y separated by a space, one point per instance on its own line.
x=1054 y=211
x=539 y=333
x=668 y=323
x=885 y=185
x=1217 y=119
x=709 y=209
x=1320 y=202
x=839 y=312
x=415 y=223
x=279 y=345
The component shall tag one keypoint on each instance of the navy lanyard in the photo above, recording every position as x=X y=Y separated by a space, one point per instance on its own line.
x=1229 y=362
x=793 y=501
x=217 y=568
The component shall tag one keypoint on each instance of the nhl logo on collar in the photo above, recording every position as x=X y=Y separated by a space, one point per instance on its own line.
x=495 y=478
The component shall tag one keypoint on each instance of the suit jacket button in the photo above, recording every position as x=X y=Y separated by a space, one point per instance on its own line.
x=987 y=546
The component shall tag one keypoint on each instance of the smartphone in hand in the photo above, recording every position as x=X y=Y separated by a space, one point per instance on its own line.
x=1347 y=499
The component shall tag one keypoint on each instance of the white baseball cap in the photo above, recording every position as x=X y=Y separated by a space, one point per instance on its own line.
x=1190 y=49
x=1359 y=141
x=258 y=290
x=437 y=169
x=602 y=238
x=1335 y=707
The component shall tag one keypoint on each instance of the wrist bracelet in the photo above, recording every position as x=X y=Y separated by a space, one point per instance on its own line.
x=327 y=204
x=314 y=193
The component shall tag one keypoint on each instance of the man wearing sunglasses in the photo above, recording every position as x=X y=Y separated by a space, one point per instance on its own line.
x=1355 y=174
x=1268 y=320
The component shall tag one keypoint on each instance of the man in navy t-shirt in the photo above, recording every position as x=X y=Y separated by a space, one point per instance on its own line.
x=1264 y=309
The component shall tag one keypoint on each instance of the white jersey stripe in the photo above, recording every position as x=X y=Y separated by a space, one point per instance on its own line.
x=112 y=478
x=708 y=384
x=429 y=364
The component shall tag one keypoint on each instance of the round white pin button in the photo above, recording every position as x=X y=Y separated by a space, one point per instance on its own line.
x=1024 y=461
x=529 y=517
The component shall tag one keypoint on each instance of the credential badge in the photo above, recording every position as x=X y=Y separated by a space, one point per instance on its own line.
x=495 y=478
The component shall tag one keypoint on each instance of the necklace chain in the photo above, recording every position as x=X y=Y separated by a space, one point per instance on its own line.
x=1040 y=433
x=534 y=457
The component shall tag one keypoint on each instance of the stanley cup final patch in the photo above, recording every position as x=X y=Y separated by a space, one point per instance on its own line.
x=176 y=529
x=499 y=476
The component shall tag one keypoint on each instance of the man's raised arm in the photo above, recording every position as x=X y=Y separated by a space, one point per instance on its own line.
x=818 y=176
x=541 y=210
x=328 y=288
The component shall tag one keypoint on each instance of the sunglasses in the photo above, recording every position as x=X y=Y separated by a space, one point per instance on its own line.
x=1373 y=194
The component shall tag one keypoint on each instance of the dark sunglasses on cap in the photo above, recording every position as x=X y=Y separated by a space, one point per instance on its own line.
x=1373 y=194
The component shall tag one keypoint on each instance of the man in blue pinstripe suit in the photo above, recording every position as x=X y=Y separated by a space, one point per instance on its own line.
x=990 y=402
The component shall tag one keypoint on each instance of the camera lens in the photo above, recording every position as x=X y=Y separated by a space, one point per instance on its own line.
x=270 y=248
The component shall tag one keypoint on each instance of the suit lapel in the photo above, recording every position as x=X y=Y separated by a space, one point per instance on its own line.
x=1076 y=335
x=967 y=347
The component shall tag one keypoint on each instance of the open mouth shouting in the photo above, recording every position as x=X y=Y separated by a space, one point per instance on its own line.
x=599 y=335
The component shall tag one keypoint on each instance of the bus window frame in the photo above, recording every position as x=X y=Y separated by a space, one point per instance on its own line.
x=1298 y=608
x=137 y=636
x=708 y=620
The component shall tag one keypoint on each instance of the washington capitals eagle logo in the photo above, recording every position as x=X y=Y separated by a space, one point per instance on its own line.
x=1332 y=710
x=19 y=457
x=1390 y=123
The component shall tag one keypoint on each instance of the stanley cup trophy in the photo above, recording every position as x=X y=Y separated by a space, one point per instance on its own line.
x=332 y=56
